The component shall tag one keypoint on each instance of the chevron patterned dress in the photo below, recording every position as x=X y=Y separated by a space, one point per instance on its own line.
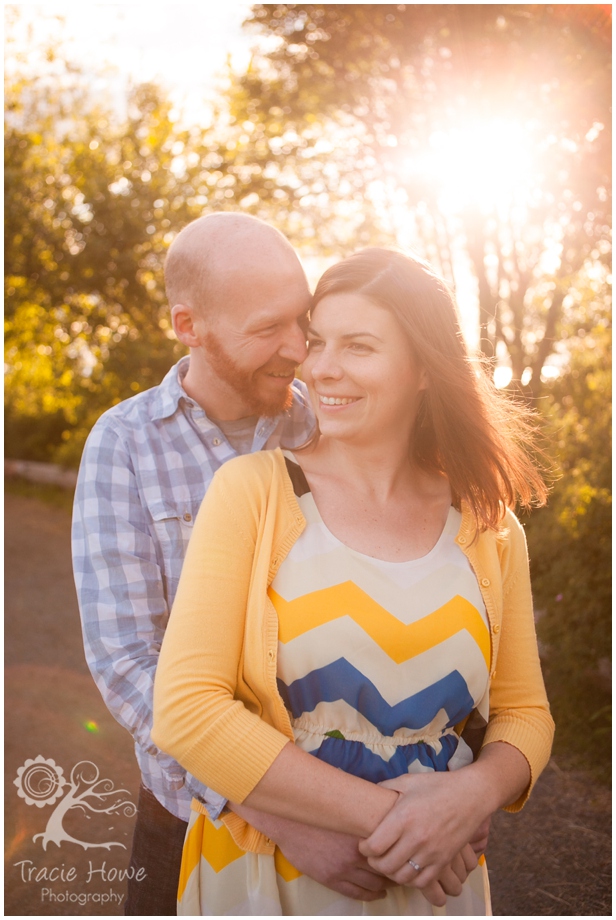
x=378 y=662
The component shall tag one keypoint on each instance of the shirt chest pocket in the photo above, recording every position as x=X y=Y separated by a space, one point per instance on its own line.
x=172 y=527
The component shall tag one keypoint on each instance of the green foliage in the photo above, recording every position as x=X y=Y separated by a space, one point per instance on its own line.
x=570 y=543
x=362 y=92
x=92 y=202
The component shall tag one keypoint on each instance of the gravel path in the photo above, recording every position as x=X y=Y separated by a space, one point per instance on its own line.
x=551 y=859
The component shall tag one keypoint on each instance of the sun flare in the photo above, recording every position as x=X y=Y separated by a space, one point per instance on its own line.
x=488 y=165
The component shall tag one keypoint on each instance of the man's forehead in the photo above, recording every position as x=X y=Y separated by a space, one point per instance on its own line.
x=251 y=273
x=258 y=317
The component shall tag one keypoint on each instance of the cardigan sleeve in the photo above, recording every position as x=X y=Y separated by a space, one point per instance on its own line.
x=218 y=738
x=519 y=709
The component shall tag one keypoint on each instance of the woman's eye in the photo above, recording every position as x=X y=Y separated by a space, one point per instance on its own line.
x=314 y=343
x=360 y=347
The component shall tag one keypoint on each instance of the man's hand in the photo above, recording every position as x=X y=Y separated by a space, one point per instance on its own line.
x=328 y=857
x=334 y=860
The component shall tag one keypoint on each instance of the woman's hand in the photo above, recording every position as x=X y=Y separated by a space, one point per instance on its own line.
x=437 y=814
x=479 y=840
x=450 y=879
x=431 y=823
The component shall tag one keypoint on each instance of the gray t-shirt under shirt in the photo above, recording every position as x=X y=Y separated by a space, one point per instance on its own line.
x=240 y=433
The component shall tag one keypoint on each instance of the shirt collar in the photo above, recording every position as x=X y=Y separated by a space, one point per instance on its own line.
x=170 y=391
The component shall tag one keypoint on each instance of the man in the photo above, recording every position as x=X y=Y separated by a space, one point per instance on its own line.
x=238 y=298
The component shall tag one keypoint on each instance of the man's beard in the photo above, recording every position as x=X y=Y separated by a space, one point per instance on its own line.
x=246 y=383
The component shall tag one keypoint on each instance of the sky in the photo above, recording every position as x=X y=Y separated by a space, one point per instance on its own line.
x=183 y=46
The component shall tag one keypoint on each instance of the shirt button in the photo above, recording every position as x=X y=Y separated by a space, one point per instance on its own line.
x=496 y=628
x=485 y=582
x=188 y=517
x=216 y=442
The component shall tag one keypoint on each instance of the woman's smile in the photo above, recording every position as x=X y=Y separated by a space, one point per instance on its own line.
x=337 y=400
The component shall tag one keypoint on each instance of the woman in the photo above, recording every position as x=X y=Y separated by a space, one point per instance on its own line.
x=368 y=599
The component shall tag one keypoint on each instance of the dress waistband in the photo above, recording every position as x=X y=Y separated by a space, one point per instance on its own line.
x=404 y=736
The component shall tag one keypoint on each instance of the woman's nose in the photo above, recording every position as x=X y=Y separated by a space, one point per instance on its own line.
x=326 y=365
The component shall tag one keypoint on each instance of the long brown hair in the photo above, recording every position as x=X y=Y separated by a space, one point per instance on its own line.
x=483 y=440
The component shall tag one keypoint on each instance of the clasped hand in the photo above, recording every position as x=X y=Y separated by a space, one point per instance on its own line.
x=438 y=822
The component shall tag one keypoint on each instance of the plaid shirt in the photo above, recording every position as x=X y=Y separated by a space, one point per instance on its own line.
x=144 y=472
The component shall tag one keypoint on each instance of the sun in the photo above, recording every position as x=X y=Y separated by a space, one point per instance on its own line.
x=488 y=165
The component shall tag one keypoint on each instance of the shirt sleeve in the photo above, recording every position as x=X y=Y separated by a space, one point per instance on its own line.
x=119 y=582
x=120 y=589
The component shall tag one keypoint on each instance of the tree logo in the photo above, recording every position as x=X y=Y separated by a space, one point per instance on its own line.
x=41 y=782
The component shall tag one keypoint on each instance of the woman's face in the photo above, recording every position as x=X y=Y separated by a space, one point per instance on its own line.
x=363 y=379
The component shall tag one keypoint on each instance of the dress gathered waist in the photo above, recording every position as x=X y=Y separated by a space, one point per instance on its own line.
x=304 y=725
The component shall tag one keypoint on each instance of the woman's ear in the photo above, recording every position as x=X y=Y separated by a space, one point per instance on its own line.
x=184 y=319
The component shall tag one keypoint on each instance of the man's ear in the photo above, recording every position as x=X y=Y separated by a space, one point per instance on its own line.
x=184 y=319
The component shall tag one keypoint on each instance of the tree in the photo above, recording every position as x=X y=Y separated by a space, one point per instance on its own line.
x=93 y=199
x=570 y=540
x=367 y=95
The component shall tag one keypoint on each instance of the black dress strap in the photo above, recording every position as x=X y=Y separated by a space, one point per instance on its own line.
x=296 y=475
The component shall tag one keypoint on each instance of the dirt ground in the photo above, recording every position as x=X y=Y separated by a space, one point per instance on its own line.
x=551 y=859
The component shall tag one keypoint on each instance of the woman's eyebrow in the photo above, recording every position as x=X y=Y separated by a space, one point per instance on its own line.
x=357 y=335
x=347 y=335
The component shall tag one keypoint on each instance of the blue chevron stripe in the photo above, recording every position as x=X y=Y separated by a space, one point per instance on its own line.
x=353 y=757
x=341 y=681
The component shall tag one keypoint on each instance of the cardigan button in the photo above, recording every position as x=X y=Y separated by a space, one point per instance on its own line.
x=496 y=628
x=485 y=582
x=271 y=655
x=492 y=675
x=461 y=539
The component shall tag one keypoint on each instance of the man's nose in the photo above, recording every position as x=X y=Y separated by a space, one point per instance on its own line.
x=294 y=345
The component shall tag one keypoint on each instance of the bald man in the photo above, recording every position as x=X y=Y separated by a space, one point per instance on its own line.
x=238 y=299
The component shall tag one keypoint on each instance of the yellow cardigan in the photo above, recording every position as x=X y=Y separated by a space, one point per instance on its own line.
x=217 y=709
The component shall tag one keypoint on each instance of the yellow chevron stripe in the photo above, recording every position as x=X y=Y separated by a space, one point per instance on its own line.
x=284 y=868
x=191 y=854
x=215 y=844
x=218 y=846
x=398 y=640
